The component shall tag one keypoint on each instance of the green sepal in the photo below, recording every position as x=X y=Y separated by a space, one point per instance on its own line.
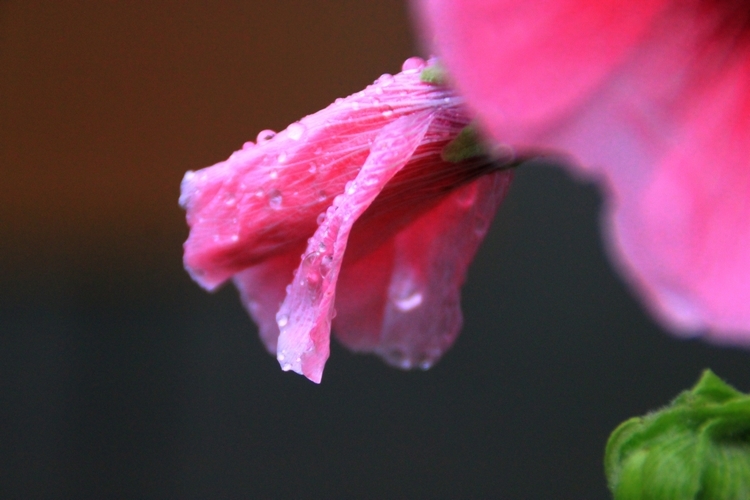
x=467 y=144
x=434 y=74
x=698 y=447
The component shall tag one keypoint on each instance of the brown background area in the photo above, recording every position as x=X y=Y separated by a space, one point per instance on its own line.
x=119 y=377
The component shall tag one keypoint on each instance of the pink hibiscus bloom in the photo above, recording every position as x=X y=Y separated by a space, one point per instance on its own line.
x=349 y=219
x=649 y=97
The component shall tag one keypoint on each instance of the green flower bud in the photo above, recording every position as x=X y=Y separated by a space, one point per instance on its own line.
x=698 y=447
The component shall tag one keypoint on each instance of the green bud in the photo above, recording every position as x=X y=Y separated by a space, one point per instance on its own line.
x=698 y=447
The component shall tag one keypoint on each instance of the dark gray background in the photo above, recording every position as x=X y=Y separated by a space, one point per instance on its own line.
x=120 y=378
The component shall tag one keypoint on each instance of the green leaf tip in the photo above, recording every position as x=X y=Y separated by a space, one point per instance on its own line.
x=697 y=448
x=434 y=74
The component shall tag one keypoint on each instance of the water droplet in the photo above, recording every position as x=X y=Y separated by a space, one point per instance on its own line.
x=282 y=320
x=355 y=105
x=313 y=167
x=408 y=303
x=388 y=112
x=397 y=357
x=325 y=264
x=351 y=187
x=235 y=237
x=378 y=90
x=466 y=197
x=321 y=218
x=274 y=199
x=248 y=145
x=281 y=158
x=413 y=64
x=280 y=357
x=385 y=80
x=265 y=136
x=321 y=247
x=286 y=367
x=274 y=174
x=426 y=364
x=296 y=130
x=230 y=201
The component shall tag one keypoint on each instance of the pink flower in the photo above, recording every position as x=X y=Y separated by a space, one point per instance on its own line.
x=650 y=97
x=349 y=219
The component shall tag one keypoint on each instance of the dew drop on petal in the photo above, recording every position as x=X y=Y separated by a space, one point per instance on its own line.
x=248 y=145
x=426 y=364
x=321 y=218
x=286 y=367
x=398 y=358
x=388 y=112
x=385 y=79
x=265 y=136
x=296 y=130
x=409 y=302
x=235 y=237
x=281 y=158
x=467 y=197
x=274 y=199
x=325 y=264
x=282 y=320
x=274 y=174
x=413 y=64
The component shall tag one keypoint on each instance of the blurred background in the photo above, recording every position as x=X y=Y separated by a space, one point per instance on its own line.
x=121 y=378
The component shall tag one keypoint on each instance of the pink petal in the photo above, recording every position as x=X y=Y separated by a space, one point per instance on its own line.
x=523 y=64
x=403 y=301
x=265 y=198
x=305 y=316
x=262 y=290
x=650 y=97
x=684 y=236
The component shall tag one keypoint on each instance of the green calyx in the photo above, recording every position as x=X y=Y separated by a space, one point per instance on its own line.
x=698 y=447
x=467 y=144
x=434 y=74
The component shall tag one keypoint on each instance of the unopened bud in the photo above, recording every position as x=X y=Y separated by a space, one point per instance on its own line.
x=698 y=447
